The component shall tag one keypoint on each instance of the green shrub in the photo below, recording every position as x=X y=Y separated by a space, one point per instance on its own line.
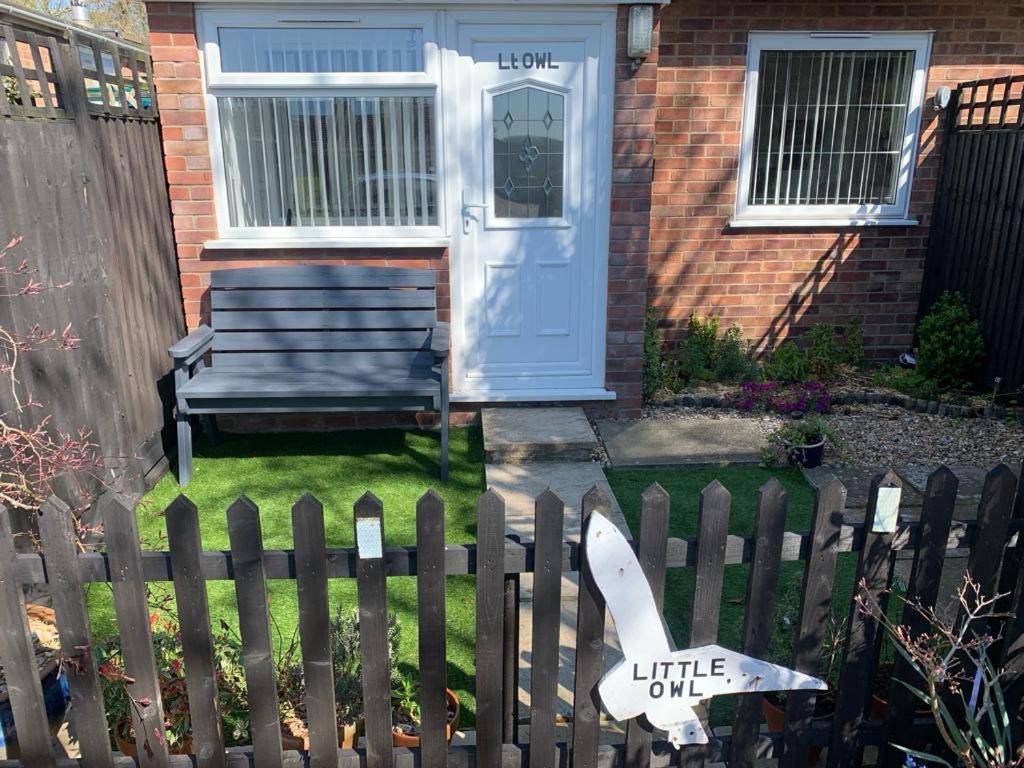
x=788 y=363
x=853 y=342
x=909 y=381
x=654 y=373
x=823 y=354
x=733 y=361
x=951 y=347
x=703 y=355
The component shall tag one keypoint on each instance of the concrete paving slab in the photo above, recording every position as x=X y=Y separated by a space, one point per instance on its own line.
x=691 y=441
x=519 y=435
x=968 y=493
x=857 y=481
x=521 y=484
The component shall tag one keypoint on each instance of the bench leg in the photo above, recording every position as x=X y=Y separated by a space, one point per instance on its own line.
x=210 y=425
x=184 y=449
x=444 y=421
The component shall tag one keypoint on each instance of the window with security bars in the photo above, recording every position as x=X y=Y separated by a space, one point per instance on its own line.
x=830 y=127
x=324 y=124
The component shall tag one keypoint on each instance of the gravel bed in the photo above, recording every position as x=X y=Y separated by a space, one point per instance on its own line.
x=880 y=435
x=877 y=435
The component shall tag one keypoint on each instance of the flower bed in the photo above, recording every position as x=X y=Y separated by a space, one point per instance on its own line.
x=811 y=397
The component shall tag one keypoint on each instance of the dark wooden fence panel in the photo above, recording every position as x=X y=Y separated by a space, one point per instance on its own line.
x=975 y=244
x=82 y=181
x=497 y=556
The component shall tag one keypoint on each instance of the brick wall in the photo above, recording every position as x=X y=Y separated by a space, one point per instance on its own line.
x=632 y=175
x=776 y=281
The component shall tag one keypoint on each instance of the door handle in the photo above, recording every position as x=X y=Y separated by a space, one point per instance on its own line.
x=467 y=212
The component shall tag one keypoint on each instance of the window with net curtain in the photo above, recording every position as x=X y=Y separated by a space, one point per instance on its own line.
x=314 y=157
x=833 y=129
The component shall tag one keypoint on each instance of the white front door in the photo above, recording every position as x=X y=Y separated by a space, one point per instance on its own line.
x=529 y=125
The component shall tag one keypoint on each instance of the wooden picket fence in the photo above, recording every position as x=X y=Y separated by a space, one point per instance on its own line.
x=990 y=544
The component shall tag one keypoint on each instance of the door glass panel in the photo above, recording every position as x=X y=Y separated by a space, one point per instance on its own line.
x=529 y=138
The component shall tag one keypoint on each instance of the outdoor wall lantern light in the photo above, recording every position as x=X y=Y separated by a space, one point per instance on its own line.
x=640 y=33
x=942 y=96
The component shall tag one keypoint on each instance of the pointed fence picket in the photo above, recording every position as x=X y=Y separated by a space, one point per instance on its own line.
x=496 y=561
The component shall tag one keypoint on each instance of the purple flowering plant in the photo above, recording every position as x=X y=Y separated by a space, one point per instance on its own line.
x=783 y=397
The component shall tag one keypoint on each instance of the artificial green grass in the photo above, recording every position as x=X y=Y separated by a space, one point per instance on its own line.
x=274 y=470
x=684 y=487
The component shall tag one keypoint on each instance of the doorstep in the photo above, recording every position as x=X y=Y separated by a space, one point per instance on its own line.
x=520 y=435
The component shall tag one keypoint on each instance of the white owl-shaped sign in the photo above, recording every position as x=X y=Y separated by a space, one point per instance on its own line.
x=653 y=679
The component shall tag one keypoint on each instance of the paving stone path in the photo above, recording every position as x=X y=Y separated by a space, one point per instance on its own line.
x=682 y=442
x=528 y=450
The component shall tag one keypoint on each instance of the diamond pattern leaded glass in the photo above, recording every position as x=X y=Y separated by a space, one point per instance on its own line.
x=529 y=138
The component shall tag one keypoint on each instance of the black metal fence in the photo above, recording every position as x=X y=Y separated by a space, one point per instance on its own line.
x=975 y=245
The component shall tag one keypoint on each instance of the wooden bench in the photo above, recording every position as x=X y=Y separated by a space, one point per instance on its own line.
x=313 y=339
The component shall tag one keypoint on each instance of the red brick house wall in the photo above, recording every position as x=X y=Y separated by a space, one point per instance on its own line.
x=777 y=281
x=676 y=138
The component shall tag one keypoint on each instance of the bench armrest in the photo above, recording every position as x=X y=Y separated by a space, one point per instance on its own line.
x=192 y=346
x=439 y=340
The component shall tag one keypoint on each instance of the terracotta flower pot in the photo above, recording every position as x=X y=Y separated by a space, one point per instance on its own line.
x=775 y=716
x=402 y=739
x=348 y=736
x=126 y=742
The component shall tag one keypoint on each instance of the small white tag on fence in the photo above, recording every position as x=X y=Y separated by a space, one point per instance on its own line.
x=887 y=510
x=368 y=538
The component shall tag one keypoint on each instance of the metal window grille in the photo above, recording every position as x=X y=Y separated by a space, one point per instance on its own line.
x=829 y=127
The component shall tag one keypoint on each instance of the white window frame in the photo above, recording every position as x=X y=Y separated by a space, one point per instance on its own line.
x=747 y=215
x=217 y=83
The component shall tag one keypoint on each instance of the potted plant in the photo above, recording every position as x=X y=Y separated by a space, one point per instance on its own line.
x=170 y=666
x=408 y=716
x=954 y=675
x=46 y=643
x=802 y=441
x=348 y=684
x=785 y=626
x=120 y=704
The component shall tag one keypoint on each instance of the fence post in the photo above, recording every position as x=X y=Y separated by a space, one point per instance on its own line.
x=16 y=651
x=590 y=610
x=652 y=552
x=490 y=577
x=874 y=573
x=547 y=618
x=371 y=585
x=132 y=607
x=989 y=541
x=713 y=525
x=433 y=651
x=310 y=542
x=923 y=590
x=762 y=583
x=183 y=537
x=246 y=536
x=60 y=548
x=819 y=574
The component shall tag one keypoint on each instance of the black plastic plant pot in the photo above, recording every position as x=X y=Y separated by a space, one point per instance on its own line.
x=807 y=456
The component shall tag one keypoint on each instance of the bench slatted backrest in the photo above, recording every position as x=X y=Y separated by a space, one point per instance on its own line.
x=322 y=317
